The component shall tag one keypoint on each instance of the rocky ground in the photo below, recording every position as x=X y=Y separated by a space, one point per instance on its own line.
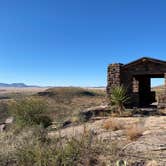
x=150 y=144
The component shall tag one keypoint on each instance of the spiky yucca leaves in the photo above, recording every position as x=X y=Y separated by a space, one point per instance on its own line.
x=119 y=97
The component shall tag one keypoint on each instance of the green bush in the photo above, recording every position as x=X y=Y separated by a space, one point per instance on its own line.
x=3 y=111
x=32 y=146
x=119 y=97
x=72 y=153
x=30 y=112
x=32 y=151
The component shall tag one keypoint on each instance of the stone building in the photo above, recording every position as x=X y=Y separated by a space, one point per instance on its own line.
x=136 y=77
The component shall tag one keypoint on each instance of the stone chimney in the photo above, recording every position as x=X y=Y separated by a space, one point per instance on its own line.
x=113 y=76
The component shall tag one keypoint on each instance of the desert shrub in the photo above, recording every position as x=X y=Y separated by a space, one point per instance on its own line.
x=37 y=154
x=78 y=152
x=69 y=101
x=74 y=152
x=135 y=131
x=31 y=146
x=44 y=120
x=118 y=98
x=4 y=113
x=29 y=112
x=113 y=125
x=14 y=139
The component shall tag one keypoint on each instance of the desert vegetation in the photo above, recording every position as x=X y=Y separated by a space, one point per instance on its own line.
x=62 y=103
x=135 y=131
x=66 y=103
x=26 y=141
x=30 y=112
x=113 y=125
x=32 y=147
x=118 y=98
x=37 y=136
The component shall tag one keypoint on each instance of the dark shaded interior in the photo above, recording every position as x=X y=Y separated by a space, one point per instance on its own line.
x=146 y=96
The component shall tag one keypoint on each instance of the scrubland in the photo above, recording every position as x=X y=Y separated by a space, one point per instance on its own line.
x=32 y=140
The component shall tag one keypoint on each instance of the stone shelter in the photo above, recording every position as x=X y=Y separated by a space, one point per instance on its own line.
x=136 y=77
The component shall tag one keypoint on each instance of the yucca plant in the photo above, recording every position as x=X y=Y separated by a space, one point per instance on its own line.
x=119 y=97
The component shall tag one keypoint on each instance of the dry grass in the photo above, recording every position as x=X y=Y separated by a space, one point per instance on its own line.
x=67 y=102
x=64 y=103
x=135 y=131
x=113 y=125
x=33 y=147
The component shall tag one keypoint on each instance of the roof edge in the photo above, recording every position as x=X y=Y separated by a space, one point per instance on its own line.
x=144 y=59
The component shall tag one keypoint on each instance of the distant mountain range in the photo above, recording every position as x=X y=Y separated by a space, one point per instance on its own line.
x=16 y=85
x=23 y=85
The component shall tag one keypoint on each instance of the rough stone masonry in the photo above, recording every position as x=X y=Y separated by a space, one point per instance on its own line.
x=136 y=77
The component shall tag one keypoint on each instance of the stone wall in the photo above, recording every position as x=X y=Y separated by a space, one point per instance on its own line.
x=135 y=85
x=114 y=76
x=162 y=101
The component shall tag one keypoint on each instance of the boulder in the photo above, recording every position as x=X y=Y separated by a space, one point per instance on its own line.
x=9 y=120
x=66 y=123
x=94 y=111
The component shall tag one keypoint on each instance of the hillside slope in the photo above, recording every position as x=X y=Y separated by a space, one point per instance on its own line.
x=69 y=101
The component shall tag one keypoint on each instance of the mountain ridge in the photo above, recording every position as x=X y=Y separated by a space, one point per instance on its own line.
x=16 y=85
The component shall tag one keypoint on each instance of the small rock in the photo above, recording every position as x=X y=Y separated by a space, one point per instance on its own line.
x=66 y=123
x=9 y=120
x=94 y=111
x=139 y=163
x=2 y=127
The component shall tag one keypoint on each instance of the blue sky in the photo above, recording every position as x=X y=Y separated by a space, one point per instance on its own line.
x=71 y=42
